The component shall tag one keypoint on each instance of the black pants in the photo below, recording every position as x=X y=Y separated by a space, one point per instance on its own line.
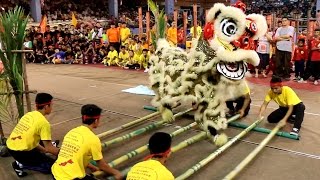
x=239 y=103
x=33 y=160
x=282 y=65
x=299 y=68
x=278 y=114
x=315 y=66
x=264 y=61
x=307 y=71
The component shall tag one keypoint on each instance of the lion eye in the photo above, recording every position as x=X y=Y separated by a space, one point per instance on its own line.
x=228 y=27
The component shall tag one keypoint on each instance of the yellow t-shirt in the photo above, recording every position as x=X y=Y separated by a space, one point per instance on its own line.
x=172 y=35
x=149 y=170
x=113 y=55
x=27 y=134
x=286 y=98
x=79 y=146
x=124 y=34
x=198 y=29
x=124 y=56
x=143 y=60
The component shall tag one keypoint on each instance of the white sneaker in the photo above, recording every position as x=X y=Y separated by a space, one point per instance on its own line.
x=315 y=82
x=302 y=81
x=146 y=70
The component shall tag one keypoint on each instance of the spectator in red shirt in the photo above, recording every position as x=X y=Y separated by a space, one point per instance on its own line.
x=300 y=56
x=315 y=56
x=181 y=38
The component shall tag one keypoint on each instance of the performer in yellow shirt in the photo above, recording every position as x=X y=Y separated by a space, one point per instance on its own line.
x=32 y=130
x=242 y=102
x=153 y=167
x=112 y=58
x=79 y=146
x=289 y=105
x=123 y=56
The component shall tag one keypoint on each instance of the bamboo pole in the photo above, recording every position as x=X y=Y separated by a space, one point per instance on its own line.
x=141 y=149
x=195 y=19
x=140 y=131
x=24 y=92
x=140 y=22
x=181 y=145
x=112 y=131
x=145 y=147
x=253 y=154
x=26 y=83
x=264 y=130
x=216 y=153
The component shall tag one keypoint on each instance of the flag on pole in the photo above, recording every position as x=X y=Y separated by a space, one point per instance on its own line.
x=43 y=24
x=74 y=21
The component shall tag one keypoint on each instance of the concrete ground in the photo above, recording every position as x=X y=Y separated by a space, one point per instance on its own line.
x=75 y=85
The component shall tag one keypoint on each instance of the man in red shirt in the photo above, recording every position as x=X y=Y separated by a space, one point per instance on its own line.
x=300 y=56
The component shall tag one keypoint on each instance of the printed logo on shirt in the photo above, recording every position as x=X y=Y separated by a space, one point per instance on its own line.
x=67 y=162
x=18 y=137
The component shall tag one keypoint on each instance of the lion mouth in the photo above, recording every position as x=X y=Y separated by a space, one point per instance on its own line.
x=233 y=71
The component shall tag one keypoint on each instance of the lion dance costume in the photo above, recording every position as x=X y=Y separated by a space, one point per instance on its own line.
x=212 y=72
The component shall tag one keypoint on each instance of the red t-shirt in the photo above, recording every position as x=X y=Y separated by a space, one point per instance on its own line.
x=300 y=53
x=315 y=55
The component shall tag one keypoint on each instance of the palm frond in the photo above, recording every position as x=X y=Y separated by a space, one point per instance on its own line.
x=162 y=25
x=153 y=7
x=12 y=34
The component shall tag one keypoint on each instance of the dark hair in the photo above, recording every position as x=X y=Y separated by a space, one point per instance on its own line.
x=145 y=50
x=275 y=80
x=301 y=40
x=159 y=142
x=123 y=47
x=90 y=110
x=43 y=99
x=317 y=29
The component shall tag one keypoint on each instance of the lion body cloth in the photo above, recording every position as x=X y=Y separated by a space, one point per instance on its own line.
x=212 y=72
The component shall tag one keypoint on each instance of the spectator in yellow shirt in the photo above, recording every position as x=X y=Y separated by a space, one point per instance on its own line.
x=124 y=33
x=242 y=101
x=144 y=60
x=80 y=145
x=138 y=48
x=291 y=108
x=133 y=61
x=31 y=139
x=144 y=43
x=198 y=31
x=153 y=167
x=172 y=34
x=112 y=58
x=123 y=56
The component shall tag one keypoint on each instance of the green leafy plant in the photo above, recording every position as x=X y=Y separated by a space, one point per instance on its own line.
x=159 y=20
x=12 y=34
